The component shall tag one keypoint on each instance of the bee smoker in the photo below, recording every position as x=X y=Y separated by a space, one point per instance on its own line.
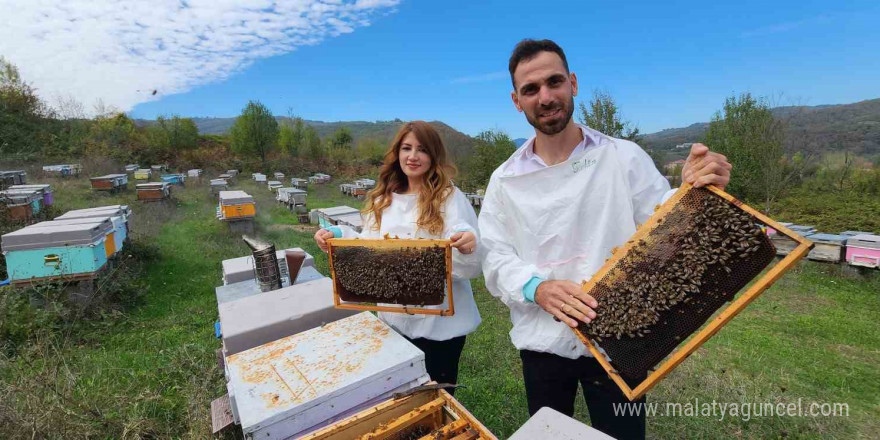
x=266 y=270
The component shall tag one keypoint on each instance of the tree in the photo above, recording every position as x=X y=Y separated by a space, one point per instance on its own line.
x=341 y=139
x=371 y=151
x=752 y=139
x=492 y=148
x=312 y=143
x=255 y=131
x=602 y=115
x=22 y=114
x=292 y=136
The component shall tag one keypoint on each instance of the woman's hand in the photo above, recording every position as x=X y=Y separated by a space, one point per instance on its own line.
x=465 y=242
x=321 y=238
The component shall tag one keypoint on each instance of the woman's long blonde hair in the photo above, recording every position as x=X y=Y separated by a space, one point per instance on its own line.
x=436 y=184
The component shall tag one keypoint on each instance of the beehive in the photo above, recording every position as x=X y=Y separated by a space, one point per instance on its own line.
x=153 y=191
x=143 y=174
x=392 y=275
x=289 y=387
x=827 y=247
x=236 y=205
x=325 y=214
x=690 y=259
x=863 y=250
x=174 y=179
x=45 y=190
x=59 y=251
x=109 y=182
x=430 y=414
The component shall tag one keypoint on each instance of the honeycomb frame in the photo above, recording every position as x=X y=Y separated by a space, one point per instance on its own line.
x=391 y=243
x=720 y=318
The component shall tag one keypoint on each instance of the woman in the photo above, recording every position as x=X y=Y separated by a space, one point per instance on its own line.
x=414 y=197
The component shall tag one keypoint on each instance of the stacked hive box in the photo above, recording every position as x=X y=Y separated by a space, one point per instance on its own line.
x=218 y=185
x=155 y=191
x=44 y=190
x=110 y=182
x=236 y=205
x=22 y=204
x=302 y=184
x=119 y=215
x=9 y=178
x=295 y=200
x=274 y=185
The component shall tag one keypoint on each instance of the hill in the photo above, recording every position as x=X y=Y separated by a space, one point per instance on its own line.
x=824 y=128
x=458 y=143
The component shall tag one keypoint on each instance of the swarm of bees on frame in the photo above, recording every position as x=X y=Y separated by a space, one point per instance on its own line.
x=652 y=280
x=415 y=276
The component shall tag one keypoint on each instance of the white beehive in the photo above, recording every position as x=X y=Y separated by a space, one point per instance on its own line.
x=292 y=385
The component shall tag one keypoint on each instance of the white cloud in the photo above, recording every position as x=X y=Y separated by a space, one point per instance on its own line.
x=120 y=51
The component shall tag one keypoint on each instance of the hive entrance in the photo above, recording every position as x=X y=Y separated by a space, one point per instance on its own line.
x=408 y=273
x=681 y=267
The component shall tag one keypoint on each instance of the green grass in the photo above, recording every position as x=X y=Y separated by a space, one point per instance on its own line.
x=150 y=370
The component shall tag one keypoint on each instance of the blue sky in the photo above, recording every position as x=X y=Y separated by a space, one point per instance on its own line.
x=668 y=64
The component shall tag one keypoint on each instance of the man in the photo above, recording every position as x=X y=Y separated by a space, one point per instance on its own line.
x=551 y=215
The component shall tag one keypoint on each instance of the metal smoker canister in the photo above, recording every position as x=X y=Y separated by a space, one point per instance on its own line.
x=265 y=264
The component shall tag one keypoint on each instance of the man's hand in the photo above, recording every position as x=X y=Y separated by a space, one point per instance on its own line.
x=704 y=167
x=465 y=242
x=566 y=301
x=321 y=238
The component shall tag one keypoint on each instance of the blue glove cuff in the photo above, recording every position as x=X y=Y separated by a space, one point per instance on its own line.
x=336 y=230
x=531 y=287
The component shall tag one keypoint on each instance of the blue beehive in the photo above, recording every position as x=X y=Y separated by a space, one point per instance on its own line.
x=118 y=214
x=54 y=251
x=176 y=179
x=104 y=222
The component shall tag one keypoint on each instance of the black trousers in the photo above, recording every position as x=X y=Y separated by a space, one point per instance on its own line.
x=552 y=381
x=441 y=358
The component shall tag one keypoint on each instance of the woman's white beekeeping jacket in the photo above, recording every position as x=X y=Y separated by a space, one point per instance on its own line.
x=560 y=223
x=399 y=219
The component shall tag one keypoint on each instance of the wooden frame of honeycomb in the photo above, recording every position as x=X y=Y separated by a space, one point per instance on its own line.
x=719 y=319
x=436 y=411
x=390 y=244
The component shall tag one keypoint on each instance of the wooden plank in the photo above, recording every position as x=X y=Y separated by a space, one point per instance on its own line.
x=367 y=420
x=726 y=314
x=447 y=431
x=405 y=421
x=463 y=413
x=221 y=414
x=470 y=434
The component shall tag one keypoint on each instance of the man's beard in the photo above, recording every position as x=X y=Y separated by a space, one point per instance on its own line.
x=555 y=126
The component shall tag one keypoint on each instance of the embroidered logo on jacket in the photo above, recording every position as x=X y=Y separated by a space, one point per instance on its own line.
x=582 y=164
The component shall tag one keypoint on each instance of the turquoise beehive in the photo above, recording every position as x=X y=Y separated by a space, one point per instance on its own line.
x=118 y=214
x=51 y=252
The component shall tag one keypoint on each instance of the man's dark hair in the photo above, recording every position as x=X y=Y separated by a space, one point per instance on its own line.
x=527 y=49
